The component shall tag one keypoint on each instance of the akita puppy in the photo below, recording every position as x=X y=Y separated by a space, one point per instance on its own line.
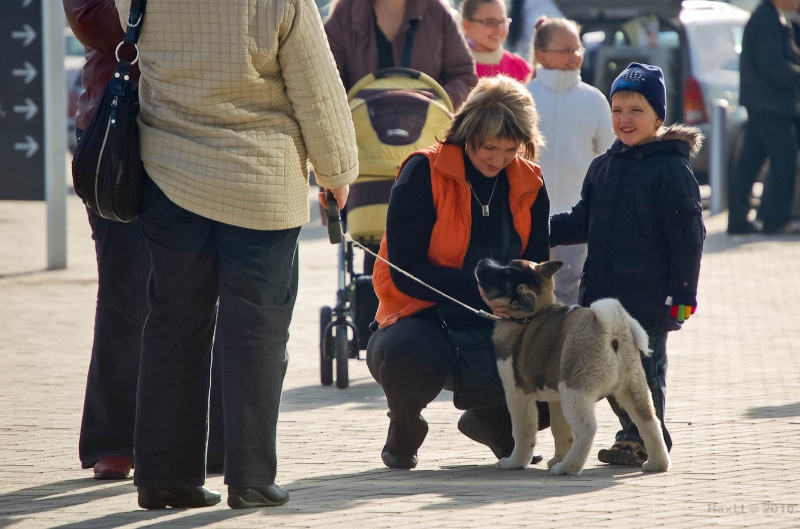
x=569 y=356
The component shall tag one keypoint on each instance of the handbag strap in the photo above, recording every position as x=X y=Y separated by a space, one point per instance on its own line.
x=135 y=19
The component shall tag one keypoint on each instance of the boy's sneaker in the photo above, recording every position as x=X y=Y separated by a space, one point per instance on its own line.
x=624 y=453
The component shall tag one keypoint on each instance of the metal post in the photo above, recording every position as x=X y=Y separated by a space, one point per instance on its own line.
x=718 y=177
x=55 y=133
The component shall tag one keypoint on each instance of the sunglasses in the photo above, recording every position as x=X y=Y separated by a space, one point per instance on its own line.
x=580 y=52
x=492 y=22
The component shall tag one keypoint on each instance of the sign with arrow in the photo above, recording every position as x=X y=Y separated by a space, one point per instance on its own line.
x=22 y=170
x=27 y=35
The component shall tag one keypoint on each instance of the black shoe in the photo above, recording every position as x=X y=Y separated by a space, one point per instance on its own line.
x=153 y=498
x=393 y=460
x=748 y=228
x=255 y=497
x=480 y=431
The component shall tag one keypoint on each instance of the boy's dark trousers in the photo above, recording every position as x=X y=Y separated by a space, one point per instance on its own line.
x=768 y=135
x=253 y=274
x=655 y=369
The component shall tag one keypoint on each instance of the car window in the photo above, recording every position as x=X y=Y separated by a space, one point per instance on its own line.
x=717 y=46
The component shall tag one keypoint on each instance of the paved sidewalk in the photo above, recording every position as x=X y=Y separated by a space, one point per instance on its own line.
x=733 y=410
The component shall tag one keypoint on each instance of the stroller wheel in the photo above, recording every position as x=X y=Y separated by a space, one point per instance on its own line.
x=342 y=353
x=325 y=354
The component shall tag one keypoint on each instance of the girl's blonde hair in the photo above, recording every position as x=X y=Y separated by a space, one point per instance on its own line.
x=497 y=108
x=545 y=28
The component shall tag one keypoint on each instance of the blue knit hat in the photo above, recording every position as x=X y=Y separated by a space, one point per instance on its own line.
x=646 y=80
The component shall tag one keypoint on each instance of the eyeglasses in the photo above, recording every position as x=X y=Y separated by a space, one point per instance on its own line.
x=492 y=22
x=580 y=52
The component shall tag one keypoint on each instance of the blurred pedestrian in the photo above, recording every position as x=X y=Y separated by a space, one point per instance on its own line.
x=236 y=97
x=123 y=267
x=576 y=122
x=366 y=36
x=770 y=90
x=486 y=27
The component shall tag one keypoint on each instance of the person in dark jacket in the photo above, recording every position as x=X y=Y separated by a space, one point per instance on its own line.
x=478 y=194
x=367 y=35
x=641 y=216
x=123 y=268
x=770 y=90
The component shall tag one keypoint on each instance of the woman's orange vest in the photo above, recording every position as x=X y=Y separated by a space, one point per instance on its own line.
x=452 y=230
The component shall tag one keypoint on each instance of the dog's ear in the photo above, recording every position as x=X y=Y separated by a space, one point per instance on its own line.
x=525 y=300
x=549 y=268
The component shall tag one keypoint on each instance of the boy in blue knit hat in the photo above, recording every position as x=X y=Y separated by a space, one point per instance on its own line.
x=641 y=216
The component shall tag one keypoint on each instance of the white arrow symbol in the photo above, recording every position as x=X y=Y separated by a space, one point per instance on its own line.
x=29 y=108
x=30 y=145
x=28 y=72
x=26 y=3
x=27 y=33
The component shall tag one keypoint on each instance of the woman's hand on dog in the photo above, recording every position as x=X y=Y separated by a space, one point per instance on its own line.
x=498 y=309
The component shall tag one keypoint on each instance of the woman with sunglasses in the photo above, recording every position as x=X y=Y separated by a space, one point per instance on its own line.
x=486 y=28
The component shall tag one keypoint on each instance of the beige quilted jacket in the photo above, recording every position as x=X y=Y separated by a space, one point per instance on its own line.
x=236 y=96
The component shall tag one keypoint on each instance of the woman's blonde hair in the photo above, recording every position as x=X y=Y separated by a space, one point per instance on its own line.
x=497 y=108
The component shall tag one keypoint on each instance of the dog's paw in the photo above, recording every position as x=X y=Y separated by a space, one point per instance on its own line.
x=556 y=459
x=560 y=469
x=510 y=463
x=656 y=465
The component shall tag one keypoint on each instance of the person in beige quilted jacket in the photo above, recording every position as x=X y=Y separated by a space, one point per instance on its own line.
x=236 y=97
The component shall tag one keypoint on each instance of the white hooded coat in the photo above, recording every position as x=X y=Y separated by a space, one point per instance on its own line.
x=575 y=119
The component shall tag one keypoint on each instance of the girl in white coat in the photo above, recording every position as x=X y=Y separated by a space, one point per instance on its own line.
x=576 y=122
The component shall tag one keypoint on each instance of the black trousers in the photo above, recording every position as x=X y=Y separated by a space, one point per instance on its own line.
x=655 y=369
x=767 y=136
x=197 y=262
x=109 y=408
x=412 y=361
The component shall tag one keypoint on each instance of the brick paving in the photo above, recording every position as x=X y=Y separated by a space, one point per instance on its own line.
x=733 y=410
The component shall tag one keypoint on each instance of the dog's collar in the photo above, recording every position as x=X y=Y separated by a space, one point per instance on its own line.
x=518 y=321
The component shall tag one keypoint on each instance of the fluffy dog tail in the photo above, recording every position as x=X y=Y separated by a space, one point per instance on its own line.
x=613 y=317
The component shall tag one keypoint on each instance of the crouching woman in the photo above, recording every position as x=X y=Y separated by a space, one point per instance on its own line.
x=477 y=193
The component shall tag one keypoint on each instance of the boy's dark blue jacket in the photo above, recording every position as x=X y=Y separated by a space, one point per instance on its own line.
x=640 y=212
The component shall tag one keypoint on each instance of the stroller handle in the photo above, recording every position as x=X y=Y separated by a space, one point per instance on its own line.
x=429 y=81
x=408 y=72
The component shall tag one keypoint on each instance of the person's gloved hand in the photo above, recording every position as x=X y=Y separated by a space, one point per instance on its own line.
x=681 y=306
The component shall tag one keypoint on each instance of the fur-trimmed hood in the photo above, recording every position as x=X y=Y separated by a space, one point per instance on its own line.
x=679 y=139
x=690 y=135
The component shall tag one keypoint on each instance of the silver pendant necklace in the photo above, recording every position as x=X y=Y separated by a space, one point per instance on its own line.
x=484 y=207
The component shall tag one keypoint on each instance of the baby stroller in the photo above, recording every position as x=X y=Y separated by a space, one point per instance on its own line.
x=396 y=111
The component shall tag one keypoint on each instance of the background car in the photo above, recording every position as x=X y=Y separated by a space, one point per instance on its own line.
x=695 y=42
x=73 y=62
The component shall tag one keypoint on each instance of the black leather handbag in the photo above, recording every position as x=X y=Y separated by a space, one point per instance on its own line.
x=107 y=170
x=476 y=382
